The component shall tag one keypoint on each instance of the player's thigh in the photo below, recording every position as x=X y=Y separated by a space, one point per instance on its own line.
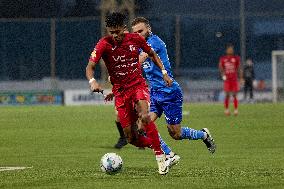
x=141 y=99
x=227 y=87
x=155 y=108
x=142 y=108
x=172 y=108
x=235 y=87
x=125 y=111
x=126 y=116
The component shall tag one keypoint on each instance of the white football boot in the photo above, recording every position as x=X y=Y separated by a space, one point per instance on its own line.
x=172 y=160
x=227 y=112
x=236 y=112
x=162 y=164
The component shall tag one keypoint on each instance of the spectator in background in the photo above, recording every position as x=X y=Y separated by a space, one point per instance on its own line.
x=248 y=77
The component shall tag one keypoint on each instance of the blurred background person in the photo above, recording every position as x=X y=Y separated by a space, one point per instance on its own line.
x=249 y=78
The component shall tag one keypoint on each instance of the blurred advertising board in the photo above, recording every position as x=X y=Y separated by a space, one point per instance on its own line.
x=218 y=96
x=85 y=97
x=31 y=98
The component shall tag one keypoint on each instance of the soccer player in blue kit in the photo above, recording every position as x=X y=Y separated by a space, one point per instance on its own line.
x=167 y=100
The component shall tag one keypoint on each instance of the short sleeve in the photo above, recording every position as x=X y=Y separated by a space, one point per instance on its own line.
x=238 y=62
x=155 y=45
x=98 y=52
x=143 y=45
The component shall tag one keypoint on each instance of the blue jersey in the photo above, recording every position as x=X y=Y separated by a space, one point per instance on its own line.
x=153 y=72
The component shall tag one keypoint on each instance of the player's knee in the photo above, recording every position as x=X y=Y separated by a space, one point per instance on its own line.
x=145 y=118
x=175 y=134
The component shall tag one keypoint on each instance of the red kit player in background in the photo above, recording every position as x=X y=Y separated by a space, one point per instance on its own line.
x=229 y=66
x=120 y=52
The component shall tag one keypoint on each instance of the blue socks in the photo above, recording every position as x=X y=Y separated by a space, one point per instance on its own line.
x=186 y=133
x=166 y=149
x=192 y=134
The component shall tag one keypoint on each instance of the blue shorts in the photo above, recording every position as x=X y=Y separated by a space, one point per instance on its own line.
x=169 y=103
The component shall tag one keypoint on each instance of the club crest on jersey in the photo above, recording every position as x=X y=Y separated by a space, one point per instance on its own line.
x=132 y=48
x=233 y=60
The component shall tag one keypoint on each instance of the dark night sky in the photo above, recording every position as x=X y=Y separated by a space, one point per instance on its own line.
x=66 y=8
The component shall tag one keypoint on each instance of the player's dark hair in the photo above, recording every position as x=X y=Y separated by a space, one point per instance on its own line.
x=115 y=19
x=138 y=20
x=228 y=45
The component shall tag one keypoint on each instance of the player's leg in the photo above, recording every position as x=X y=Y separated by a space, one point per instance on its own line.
x=236 y=103
x=235 y=89
x=122 y=141
x=126 y=115
x=153 y=116
x=173 y=112
x=145 y=123
x=251 y=89
x=227 y=97
x=245 y=89
x=156 y=112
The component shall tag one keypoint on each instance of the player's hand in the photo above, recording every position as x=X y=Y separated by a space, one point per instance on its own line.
x=168 y=80
x=95 y=87
x=224 y=78
x=109 y=97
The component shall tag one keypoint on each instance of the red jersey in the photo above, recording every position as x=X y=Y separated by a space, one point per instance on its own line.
x=121 y=59
x=230 y=65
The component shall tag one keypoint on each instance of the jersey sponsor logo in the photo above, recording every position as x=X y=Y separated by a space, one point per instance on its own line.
x=119 y=58
x=229 y=68
x=146 y=65
x=123 y=58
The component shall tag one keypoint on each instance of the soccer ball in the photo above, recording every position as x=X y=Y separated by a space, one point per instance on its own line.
x=111 y=163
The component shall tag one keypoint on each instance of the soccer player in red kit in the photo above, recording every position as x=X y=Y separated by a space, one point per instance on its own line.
x=229 y=66
x=120 y=52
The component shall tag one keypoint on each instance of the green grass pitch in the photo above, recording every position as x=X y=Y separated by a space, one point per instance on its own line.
x=63 y=145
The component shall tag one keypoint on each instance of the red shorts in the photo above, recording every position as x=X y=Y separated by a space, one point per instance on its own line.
x=231 y=86
x=125 y=103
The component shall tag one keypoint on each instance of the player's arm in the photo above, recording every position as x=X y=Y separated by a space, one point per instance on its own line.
x=94 y=59
x=94 y=85
x=241 y=75
x=157 y=61
x=240 y=72
x=221 y=69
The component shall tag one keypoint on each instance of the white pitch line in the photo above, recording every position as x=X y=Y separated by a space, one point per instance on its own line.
x=13 y=168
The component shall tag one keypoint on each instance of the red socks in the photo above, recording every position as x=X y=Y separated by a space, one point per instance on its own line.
x=226 y=102
x=151 y=140
x=152 y=133
x=143 y=141
x=236 y=103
